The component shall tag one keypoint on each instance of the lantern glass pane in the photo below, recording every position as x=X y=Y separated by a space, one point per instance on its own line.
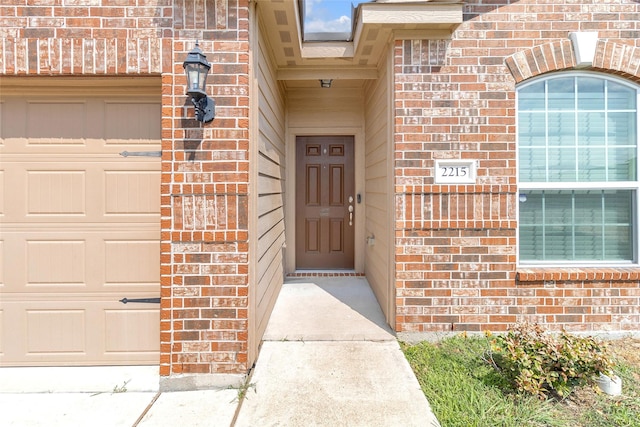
x=202 y=76
x=193 y=76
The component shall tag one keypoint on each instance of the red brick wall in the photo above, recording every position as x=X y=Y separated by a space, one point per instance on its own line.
x=85 y=19
x=204 y=190
x=205 y=187
x=88 y=37
x=205 y=219
x=456 y=245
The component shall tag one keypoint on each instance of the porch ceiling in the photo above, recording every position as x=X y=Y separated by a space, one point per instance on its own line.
x=375 y=24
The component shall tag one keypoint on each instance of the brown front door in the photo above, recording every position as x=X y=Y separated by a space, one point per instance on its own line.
x=325 y=186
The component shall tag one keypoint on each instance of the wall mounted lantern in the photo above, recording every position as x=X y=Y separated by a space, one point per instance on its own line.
x=196 y=68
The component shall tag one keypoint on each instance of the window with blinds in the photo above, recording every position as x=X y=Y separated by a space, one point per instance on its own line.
x=577 y=152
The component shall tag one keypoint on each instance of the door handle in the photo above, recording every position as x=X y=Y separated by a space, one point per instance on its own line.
x=350 y=215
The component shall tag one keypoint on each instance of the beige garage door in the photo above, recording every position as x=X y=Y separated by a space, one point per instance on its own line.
x=80 y=223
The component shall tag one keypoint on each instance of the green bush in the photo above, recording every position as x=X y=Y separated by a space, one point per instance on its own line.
x=540 y=363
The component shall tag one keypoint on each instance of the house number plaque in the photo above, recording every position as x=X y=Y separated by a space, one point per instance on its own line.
x=455 y=172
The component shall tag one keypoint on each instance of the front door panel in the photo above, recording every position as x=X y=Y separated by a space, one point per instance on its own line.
x=324 y=197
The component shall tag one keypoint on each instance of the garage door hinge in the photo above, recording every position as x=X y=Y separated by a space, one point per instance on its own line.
x=141 y=300
x=141 y=154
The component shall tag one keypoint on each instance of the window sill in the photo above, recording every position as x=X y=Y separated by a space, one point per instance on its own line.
x=544 y=274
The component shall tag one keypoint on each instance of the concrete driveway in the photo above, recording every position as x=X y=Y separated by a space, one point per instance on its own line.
x=328 y=359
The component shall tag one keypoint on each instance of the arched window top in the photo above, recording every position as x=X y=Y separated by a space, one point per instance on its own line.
x=577 y=91
x=586 y=73
x=577 y=127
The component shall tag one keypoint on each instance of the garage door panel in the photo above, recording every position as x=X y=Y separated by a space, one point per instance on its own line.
x=60 y=192
x=132 y=262
x=126 y=121
x=121 y=338
x=131 y=192
x=80 y=226
x=13 y=120
x=91 y=260
x=56 y=262
x=51 y=122
x=56 y=331
x=13 y=191
x=90 y=125
x=42 y=192
x=81 y=331
x=83 y=190
x=14 y=265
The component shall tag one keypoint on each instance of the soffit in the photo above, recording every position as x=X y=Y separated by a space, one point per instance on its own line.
x=375 y=24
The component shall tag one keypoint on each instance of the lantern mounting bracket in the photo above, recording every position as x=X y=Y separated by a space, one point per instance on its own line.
x=205 y=108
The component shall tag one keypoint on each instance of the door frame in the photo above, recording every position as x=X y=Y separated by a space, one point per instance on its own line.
x=290 y=192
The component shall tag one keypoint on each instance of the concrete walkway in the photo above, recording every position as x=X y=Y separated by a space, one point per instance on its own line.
x=106 y=397
x=328 y=359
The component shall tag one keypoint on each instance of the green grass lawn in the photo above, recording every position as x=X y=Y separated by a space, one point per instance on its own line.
x=465 y=391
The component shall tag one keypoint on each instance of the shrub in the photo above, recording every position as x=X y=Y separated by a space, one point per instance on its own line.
x=539 y=363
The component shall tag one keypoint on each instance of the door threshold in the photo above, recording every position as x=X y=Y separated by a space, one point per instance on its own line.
x=325 y=273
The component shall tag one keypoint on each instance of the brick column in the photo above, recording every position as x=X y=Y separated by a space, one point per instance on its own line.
x=205 y=188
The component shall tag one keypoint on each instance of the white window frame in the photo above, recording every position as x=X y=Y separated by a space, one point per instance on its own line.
x=634 y=186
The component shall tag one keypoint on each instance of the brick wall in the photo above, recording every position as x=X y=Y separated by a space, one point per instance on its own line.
x=84 y=57
x=204 y=190
x=456 y=245
x=205 y=222
x=85 y=37
x=205 y=187
x=85 y=19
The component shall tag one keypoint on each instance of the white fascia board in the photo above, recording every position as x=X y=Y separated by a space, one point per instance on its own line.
x=327 y=50
x=411 y=13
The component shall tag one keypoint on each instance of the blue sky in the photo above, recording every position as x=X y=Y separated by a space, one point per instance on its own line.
x=329 y=15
